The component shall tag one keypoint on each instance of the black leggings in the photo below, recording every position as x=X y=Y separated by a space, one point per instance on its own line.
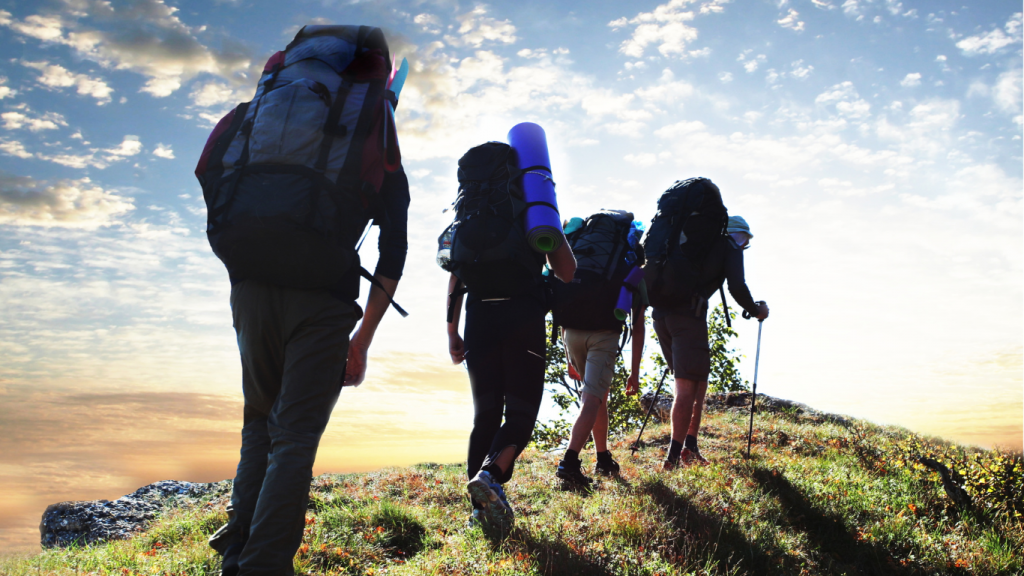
x=505 y=356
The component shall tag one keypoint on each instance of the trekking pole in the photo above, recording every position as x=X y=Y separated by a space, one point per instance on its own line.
x=753 y=396
x=636 y=445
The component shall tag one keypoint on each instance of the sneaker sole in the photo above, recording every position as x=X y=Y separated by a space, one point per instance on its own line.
x=495 y=511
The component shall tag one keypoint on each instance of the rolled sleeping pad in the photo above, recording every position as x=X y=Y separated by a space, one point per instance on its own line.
x=542 y=224
x=625 y=302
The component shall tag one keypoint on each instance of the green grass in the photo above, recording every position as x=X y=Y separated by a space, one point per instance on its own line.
x=814 y=498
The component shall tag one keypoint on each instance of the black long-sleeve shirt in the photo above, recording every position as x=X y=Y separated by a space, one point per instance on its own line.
x=393 y=243
x=724 y=263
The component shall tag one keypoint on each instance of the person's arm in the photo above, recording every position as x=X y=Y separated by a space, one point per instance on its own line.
x=456 y=346
x=734 y=274
x=562 y=262
x=376 y=305
x=633 y=382
x=392 y=245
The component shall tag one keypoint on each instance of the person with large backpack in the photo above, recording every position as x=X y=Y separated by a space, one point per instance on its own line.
x=608 y=256
x=291 y=180
x=491 y=263
x=693 y=247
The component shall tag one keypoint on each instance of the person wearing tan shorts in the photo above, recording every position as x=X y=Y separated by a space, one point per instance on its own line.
x=592 y=354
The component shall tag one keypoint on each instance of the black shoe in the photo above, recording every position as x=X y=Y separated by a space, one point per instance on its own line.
x=571 y=473
x=229 y=565
x=606 y=464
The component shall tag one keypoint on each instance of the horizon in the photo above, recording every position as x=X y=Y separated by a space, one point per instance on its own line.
x=874 y=146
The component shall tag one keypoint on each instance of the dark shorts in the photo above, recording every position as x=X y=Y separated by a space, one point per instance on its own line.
x=684 y=342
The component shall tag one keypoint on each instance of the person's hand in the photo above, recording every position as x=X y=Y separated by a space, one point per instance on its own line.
x=355 y=370
x=762 y=310
x=457 y=348
x=632 y=385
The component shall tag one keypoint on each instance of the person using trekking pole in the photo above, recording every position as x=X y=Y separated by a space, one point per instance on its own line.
x=506 y=303
x=592 y=310
x=698 y=247
x=285 y=218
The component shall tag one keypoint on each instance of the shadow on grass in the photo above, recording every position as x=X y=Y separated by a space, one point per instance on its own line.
x=841 y=551
x=703 y=535
x=555 y=557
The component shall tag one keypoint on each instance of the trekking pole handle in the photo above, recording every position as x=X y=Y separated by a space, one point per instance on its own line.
x=748 y=315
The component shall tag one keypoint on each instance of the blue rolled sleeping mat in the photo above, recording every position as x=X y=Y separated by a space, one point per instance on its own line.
x=542 y=223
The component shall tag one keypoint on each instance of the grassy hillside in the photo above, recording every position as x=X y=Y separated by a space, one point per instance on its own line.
x=815 y=498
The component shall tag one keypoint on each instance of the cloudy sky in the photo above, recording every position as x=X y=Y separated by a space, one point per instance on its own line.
x=873 y=145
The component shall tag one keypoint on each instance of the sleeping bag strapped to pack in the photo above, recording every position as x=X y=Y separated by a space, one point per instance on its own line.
x=291 y=178
x=603 y=259
x=486 y=244
x=690 y=219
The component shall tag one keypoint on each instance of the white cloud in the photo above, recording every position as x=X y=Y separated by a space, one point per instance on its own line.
x=147 y=37
x=751 y=63
x=45 y=28
x=476 y=28
x=664 y=27
x=55 y=76
x=725 y=77
x=130 y=146
x=65 y=203
x=14 y=148
x=911 y=80
x=667 y=90
x=19 y=120
x=791 y=21
x=214 y=94
x=164 y=151
x=800 y=71
x=428 y=23
x=824 y=4
x=993 y=41
x=713 y=7
x=642 y=160
x=6 y=91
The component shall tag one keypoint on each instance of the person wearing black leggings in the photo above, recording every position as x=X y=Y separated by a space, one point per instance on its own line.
x=504 y=352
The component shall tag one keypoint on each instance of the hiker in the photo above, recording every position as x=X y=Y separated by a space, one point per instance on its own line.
x=699 y=247
x=286 y=209
x=607 y=251
x=504 y=346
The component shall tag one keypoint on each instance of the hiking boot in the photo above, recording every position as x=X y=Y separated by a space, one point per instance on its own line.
x=571 y=473
x=690 y=457
x=229 y=565
x=606 y=464
x=475 y=518
x=494 y=508
x=669 y=465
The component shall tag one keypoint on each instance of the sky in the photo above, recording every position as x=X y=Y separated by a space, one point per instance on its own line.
x=874 y=146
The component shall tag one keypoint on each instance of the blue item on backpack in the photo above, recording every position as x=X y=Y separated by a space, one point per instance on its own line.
x=542 y=222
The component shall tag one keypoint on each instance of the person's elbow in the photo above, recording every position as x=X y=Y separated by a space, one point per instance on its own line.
x=563 y=263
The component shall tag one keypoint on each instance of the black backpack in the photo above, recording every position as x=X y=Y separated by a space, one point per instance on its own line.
x=486 y=243
x=289 y=181
x=603 y=259
x=690 y=219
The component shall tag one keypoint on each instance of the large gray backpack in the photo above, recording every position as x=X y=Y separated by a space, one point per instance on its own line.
x=291 y=178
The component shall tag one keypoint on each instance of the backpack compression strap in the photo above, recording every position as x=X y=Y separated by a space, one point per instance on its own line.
x=366 y=274
x=459 y=290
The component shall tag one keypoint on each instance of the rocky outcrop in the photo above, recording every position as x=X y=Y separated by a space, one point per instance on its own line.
x=91 y=522
x=739 y=402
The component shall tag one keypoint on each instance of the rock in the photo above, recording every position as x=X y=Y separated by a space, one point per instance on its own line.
x=92 y=522
x=662 y=411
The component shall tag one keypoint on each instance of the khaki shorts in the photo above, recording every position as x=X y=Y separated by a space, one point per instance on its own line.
x=592 y=353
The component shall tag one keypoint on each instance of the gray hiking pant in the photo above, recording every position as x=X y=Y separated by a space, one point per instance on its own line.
x=294 y=345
